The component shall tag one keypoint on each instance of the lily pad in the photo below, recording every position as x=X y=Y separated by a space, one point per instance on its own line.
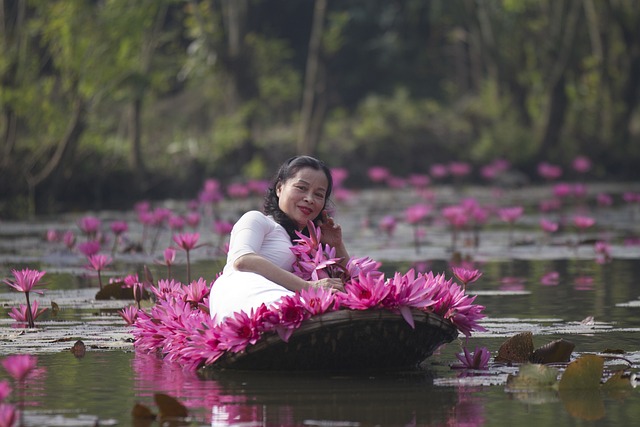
x=532 y=377
x=583 y=373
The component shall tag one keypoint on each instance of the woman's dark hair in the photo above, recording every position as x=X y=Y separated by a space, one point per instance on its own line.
x=286 y=171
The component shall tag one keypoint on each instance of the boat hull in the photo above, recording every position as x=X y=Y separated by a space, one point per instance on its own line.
x=348 y=340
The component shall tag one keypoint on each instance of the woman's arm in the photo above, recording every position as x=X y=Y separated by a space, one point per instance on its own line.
x=256 y=264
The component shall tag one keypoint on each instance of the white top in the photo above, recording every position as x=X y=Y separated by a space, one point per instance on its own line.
x=260 y=234
x=235 y=290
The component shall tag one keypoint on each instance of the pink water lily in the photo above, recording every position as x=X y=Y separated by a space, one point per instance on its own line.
x=205 y=346
x=548 y=226
x=292 y=314
x=20 y=314
x=89 y=248
x=320 y=266
x=388 y=225
x=25 y=281
x=551 y=278
x=316 y=300
x=129 y=314
x=187 y=241
x=583 y=222
x=549 y=171
x=9 y=415
x=364 y=292
x=196 y=292
x=465 y=275
x=358 y=265
x=166 y=289
x=308 y=244
x=581 y=164
x=90 y=226
x=98 y=262
x=510 y=214
x=19 y=366
x=69 y=239
x=479 y=359
x=408 y=291
x=378 y=173
x=169 y=258
x=237 y=332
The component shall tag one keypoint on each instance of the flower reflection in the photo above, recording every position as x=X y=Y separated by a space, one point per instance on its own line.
x=512 y=283
x=469 y=409
x=228 y=398
x=583 y=283
x=551 y=278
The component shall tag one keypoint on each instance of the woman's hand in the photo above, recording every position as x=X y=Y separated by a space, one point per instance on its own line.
x=329 y=283
x=331 y=232
x=332 y=236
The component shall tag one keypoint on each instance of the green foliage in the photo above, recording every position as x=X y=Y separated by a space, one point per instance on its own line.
x=407 y=85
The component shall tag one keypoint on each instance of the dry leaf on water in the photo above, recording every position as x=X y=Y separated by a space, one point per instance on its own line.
x=517 y=349
x=78 y=349
x=558 y=351
x=54 y=309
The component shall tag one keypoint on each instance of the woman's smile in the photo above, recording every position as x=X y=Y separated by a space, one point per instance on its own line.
x=302 y=197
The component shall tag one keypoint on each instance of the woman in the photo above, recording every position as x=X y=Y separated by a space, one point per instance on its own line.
x=260 y=263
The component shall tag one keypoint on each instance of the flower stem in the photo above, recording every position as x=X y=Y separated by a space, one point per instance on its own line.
x=30 y=321
x=188 y=268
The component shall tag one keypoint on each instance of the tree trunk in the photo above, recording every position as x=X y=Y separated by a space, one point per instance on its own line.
x=53 y=169
x=11 y=47
x=311 y=113
x=556 y=80
x=628 y=20
x=554 y=118
x=137 y=161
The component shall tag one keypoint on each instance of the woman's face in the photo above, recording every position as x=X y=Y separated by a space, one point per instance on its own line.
x=302 y=197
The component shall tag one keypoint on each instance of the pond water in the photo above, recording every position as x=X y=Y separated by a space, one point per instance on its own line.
x=594 y=305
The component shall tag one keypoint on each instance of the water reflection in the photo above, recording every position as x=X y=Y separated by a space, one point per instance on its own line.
x=270 y=399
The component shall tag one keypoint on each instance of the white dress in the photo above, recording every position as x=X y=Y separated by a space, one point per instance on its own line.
x=241 y=290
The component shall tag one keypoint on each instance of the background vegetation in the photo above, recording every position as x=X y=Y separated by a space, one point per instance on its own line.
x=106 y=101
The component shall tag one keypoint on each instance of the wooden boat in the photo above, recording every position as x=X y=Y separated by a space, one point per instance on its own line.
x=348 y=340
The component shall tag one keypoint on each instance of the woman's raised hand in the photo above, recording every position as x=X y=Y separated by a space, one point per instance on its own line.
x=331 y=231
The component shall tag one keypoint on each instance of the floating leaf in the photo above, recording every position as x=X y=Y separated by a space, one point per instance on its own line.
x=558 y=351
x=169 y=407
x=114 y=291
x=143 y=412
x=54 y=309
x=78 y=349
x=583 y=373
x=613 y=351
x=532 y=377
x=517 y=349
